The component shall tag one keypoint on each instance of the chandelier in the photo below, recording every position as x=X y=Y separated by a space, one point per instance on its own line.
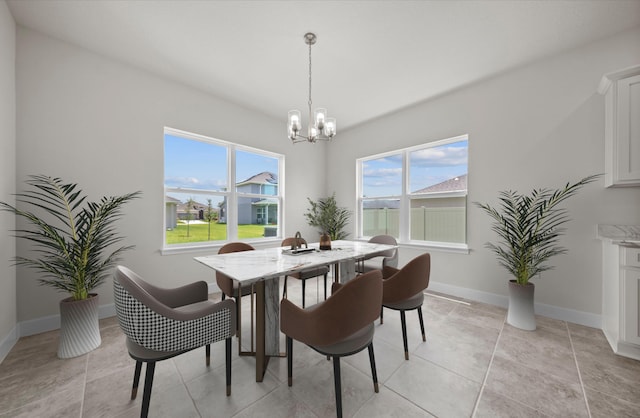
x=320 y=126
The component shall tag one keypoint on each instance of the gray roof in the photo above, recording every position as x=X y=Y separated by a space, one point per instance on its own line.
x=266 y=177
x=455 y=184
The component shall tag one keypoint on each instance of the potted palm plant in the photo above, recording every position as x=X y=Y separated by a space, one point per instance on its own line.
x=73 y=239
x=330 y=218
x=529 y=227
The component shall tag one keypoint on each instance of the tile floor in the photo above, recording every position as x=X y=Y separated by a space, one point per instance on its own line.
x=472 y=365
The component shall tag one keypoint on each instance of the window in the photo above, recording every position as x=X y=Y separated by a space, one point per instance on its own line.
x=201 y=205
x=416 y=194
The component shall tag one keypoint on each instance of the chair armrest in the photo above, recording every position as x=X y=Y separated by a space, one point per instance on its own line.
x=388 y=271
x=183 y=295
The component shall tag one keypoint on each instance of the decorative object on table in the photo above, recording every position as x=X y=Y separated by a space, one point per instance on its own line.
x=71 y=238
x=296 y=244
x=320 y=126
x=403 y=290
x=337 y=327
x=529 y=227
x=330 y=218
x=163 y=323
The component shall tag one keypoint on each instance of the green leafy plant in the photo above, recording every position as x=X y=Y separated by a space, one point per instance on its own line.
x=73 y=249
x=529 y=227
x=328 y=216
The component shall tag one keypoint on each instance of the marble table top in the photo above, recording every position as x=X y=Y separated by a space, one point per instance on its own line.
x=250 y=266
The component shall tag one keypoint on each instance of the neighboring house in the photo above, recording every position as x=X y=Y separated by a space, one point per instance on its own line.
x=444 y=194
x=196 y=212
x=254 y=210
x=171 y=210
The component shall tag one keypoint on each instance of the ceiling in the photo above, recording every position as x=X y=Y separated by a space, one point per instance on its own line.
x=371 y=57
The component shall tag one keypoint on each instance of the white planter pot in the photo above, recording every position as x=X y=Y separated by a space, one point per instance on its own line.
x=79 y=326
x=521 y=313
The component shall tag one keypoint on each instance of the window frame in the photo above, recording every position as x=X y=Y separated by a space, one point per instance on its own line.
x=231 y=194
x=406 y=196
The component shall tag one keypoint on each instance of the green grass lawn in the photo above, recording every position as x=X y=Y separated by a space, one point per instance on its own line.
x=217 y=232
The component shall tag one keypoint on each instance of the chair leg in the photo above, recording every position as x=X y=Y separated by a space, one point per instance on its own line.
x=403 y=319
x=374 y=374
x=325 y=286
x=424 y=338
x=228 y=363
x=148 y=384
x=136 y=380
x=381 y=315
x=207 y=350
x=338 y=385
x=304 y=286
x=284 y=290
x=290 y=360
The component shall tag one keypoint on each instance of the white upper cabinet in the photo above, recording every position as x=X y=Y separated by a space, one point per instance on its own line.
x=622 y=126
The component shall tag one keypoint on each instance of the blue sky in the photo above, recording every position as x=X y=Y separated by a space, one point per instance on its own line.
x=428 y=166
x=200 y=165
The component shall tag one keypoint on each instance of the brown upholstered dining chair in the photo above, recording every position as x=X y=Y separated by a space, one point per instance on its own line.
x=162 y=323
x=403 y=290
x=304 y=274
x=231 y=288
x=380 y=261
x=339 y=326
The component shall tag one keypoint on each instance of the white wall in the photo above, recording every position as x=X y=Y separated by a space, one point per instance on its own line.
x=537 y=126
x=95 y=121
x=7 y=176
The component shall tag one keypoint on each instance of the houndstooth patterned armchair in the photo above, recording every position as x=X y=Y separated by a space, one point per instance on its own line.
x=163 y=323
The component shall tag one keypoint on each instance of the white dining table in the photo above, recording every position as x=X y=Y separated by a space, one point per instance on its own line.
x=262 y=267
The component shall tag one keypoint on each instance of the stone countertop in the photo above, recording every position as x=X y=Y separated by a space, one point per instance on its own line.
x=620 y=234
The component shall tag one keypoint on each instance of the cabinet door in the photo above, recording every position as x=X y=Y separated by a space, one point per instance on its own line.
x=628 y=130
x=631 y=314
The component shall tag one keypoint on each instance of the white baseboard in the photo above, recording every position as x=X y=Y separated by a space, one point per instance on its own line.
x=555 y=312
x=52 y=322
x=8 y=342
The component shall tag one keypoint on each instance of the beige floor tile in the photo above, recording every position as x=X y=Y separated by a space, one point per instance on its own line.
x=438 y=391
x=388 y=404
x=209 y=391
x=281 y=402
x=492 y=405
x=539 y=349
x=461 y=347
x=605 y=406
x=315 y=387
x=33 y=384
x=66 y=403
x=535 y=388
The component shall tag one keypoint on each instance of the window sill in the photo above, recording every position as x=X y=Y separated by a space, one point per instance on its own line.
x=435 y=246
x=213 y=248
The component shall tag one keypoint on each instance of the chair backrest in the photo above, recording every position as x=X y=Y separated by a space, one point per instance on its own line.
x=151 y=324
x=353 y=306
x=409 y=280
x=225 y=283
x=392 y=255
